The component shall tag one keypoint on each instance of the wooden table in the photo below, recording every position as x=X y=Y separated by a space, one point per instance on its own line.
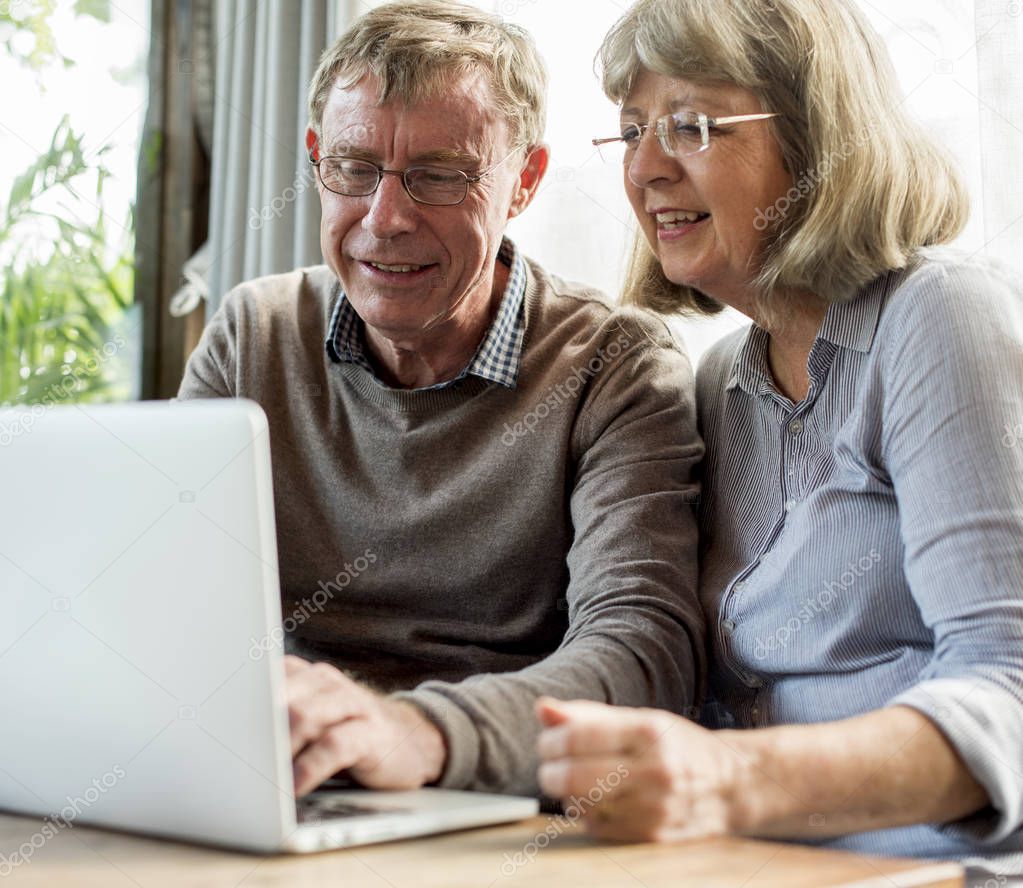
x=474 y=859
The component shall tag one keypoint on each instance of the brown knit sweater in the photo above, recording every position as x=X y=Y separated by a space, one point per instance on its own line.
x=476 y=546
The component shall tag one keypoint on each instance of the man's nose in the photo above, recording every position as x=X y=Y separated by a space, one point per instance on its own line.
x=392 y=211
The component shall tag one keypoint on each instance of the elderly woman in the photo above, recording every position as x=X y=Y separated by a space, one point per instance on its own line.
x=862 y=515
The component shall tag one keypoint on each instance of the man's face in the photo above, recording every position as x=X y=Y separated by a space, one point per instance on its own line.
x=447 y=253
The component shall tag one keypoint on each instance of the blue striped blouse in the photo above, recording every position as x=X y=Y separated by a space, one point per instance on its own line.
x=864 y=548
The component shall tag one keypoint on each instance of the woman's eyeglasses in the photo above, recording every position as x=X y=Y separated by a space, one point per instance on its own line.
x=682 y=134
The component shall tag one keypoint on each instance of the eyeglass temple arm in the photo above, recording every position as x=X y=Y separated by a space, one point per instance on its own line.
x=713 y=121
x=741 y=118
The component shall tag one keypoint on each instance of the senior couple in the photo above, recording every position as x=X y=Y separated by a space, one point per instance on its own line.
x=635 y=583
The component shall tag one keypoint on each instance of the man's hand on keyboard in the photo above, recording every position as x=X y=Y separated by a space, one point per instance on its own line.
x=337 y=724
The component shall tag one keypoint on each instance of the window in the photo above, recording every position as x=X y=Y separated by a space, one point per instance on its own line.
x=73 y=98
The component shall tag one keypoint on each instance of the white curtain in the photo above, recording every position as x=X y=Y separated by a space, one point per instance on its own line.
x=264 y=213
x=960 y=65
x=999 y=25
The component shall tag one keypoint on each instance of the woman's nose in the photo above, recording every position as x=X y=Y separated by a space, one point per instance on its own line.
x=648 y=163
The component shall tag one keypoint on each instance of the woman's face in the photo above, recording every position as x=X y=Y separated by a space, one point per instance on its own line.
x=741 y=175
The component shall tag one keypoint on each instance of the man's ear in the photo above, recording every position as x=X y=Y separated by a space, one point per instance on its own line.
x=312 y=144
x=529 y=179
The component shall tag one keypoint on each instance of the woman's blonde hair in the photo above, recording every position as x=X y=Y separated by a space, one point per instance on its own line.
x=870 y=187
x=413 y=49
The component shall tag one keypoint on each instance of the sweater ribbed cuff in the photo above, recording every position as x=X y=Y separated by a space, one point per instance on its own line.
x=460 y=736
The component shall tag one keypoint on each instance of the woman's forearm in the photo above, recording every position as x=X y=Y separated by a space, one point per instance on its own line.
x=892 y=767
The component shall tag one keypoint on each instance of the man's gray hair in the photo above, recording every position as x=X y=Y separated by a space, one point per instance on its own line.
x=414 y=48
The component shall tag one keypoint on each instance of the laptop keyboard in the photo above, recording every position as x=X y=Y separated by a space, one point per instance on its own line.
x=314 y=810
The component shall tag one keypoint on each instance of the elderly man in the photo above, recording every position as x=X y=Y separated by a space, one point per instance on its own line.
x=483 y=474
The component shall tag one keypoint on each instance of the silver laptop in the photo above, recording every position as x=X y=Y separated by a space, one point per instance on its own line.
x=141 y=666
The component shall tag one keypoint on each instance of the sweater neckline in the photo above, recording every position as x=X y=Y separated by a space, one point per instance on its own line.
x=411 y=400
x=427 y=400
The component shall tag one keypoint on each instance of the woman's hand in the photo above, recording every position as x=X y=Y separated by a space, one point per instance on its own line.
x=641 y=774
x=648 y=775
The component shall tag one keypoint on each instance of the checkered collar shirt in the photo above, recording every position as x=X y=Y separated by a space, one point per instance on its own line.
x=496 y=360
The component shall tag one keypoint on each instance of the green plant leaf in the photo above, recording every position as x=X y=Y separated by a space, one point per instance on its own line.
x=97 y=9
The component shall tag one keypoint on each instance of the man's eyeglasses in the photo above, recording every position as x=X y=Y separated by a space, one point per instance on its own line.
x=436 y=186
x=682 y=134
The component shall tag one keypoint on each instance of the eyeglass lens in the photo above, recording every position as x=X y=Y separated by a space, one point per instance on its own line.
x=427 y=184
x=683 y=134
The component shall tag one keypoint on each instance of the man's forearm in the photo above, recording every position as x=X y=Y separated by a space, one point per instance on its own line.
x=889 y=768
x=490 y=723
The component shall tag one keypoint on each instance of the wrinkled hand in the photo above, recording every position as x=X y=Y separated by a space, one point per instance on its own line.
x=675 y=780
x=337 y=724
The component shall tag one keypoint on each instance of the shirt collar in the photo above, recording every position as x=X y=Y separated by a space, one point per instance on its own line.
x=749 y=370
x=850 y=325
x=499 y=355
